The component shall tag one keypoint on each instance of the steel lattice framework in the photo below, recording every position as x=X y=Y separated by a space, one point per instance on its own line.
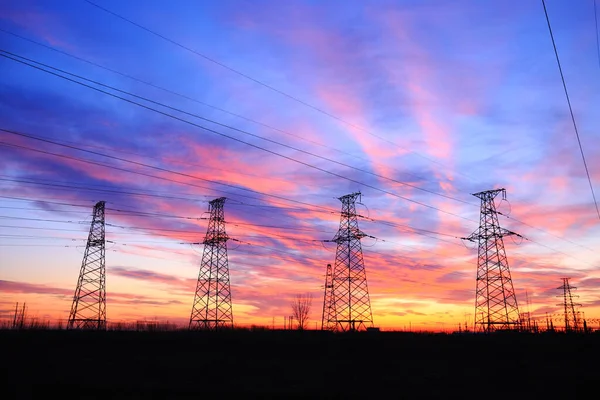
x=496 y=305
x=571 y=316
x=212 y=302
x=349 y=306
x=88 y=310
x=328 y=304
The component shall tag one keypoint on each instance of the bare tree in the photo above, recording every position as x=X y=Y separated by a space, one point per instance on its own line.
x=301 y=309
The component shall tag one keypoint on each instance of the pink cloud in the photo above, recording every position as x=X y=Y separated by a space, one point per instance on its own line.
x=24 y=287
x=184 y=284
x=221 y=165
x=114 y=297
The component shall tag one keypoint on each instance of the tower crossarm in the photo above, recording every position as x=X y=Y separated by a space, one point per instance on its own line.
x=346 y=236
x=216 y=239
x=485 y=234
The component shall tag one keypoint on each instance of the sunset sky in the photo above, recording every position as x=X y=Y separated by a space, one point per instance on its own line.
x=282 y=107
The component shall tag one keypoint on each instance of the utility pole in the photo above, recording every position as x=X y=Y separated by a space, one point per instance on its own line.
x=88 y=310
x=571 y=317
x=350 y=307
x=14 y=324
x=19 y=317
x=496 y=305
x=212 y=308
x=528 y=311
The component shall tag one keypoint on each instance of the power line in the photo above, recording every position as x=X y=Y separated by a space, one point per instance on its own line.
x=21 y=237
x=44 y=201
x=233 y=223
x=260 y=82
x=324 y=210
x=584 y=160
x=255 y=236
x=150 y=84
x=142 y=213
x=119 y=168
x=297 y=258
x=418 y=231
x=411 y=229
x=152 y=215
x=94 y=189
x=38 y=209
x=597 y=33
x=393 y=224
x=27 y=237
x=230 y=127
x=141 y=192
x=229 y=137
x=147 y=166
x=39 y=245
x=388 y=223
x=571 y=109
x=41 y=219
x=202 y=103
x=290 y=255
x=414 y=230
x=83 y=231
x=232 y=200
x=546 y=232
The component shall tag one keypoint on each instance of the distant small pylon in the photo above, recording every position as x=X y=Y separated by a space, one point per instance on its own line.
x=88 y=310
x=328 y=305
x=571 y=316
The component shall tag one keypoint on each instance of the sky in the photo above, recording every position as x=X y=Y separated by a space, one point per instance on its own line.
x=158 y=107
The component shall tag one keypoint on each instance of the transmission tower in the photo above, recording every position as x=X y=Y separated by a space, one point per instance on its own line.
x=349 y=306
x=495 y=300
x=571 y=317
x=212 y=302
x=89 y=302
x=328 y=305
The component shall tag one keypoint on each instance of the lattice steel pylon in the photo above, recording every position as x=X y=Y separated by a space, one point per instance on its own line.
x=349 y=306
x=571 y=316
x=496 y=305
x=328 y=305
x=212 y=302
x=88 y=310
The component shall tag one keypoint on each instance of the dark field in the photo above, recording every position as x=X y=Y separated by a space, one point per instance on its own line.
x=104 y=365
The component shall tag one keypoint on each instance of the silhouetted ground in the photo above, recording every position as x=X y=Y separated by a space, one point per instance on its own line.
x=142 y=365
